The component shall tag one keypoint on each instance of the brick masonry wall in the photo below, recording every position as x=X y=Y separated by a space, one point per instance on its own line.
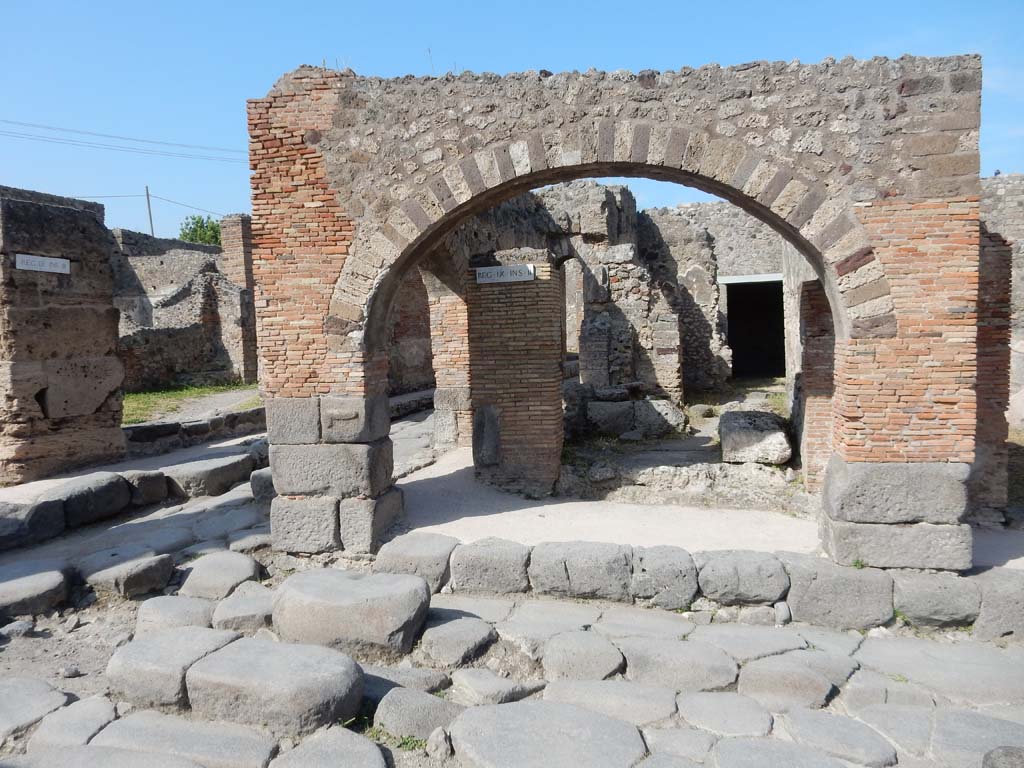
x=410 y=359
x=812 y=408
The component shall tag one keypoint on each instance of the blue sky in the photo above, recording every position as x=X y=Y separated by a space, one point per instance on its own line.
x=181 y=71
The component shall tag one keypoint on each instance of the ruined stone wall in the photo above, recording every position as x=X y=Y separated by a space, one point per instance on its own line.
x=60 y=377
x=182 y=319
x=410 y=359
x=743 y=245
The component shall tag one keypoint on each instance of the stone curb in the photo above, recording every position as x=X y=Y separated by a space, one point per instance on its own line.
x=157 y=437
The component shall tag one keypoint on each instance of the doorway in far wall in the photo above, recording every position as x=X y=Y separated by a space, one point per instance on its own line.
x=756 y=326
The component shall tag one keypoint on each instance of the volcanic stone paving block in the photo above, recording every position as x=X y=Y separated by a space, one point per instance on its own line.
x=262 y=483
x=212 y=745
x=532 y=734
x=781 y=684
x=333 y=748
x=453 y=642
x=95 y=757
x=73 y=725
x=624 y=700
x=936 y=599
x=688 y=743
x=215 y=576
x=473 y=687
x=683 y=665
x=747 y=643
x=290 y=689
x=908 y=727
x=756 y=436
x=406 y=712
x=208 y=477
x=376 y=612
x=533 y=623
x=491 y=565
x=24 y=702
x=725 y=714
x=92 y=497
x=768 y=753
x=133 y=576
x=150 y=671
x=580 y=656
x=828 y=595
x=582 y=569
x=378 y=681
x=1002 y=605
x=834 y=667
x=27 y=523
x=962 y=737
x=840 y=737
x=421 y=554
x=148 y=486
x=664 y=575
x=307 y=525
x=444 y=607
x=638 y=622
x=741 y=577
x=29 y=587
x=171 y=611
x=667 y=760
x=248 y=609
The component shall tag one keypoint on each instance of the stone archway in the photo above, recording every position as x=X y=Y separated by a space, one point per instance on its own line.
x=869 y=168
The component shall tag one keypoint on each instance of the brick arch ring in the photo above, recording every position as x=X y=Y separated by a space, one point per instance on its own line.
x=818 y=219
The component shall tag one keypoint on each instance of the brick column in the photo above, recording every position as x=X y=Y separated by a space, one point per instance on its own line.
x=813 y=410
x=515 y=343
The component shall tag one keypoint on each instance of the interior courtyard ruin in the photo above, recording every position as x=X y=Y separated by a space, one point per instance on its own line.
x=540 y=476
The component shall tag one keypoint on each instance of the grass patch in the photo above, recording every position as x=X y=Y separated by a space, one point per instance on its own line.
x=252 y=402
x=143 y=406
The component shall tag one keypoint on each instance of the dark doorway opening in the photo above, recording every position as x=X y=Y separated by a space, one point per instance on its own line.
x=756 y=329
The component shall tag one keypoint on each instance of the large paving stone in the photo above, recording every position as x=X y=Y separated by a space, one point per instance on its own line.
x=150 y=671
x=535 y=622
x=147 y=486
x=837 y=669
x=665 y=576
x=308 y=525
x=491 y=609
x=780 y=684
x=419 y=554
x=867 y=688
x=208 y=477
x=961 y=738
x=840 y=643
x=768 y=753
x=724 y=713
x=351 y=611
x=333 y=748
x=131 y=572
x=622 y=699
x=911 y=545
x=473 y=687
x=92 y=497
x=745 y=643
x=666 y=760
x=969 y=673
x=215 y=576
x=248 y=609
x=407 y=712
x=217 y=518
x=378 y=681
x=532 y=734
x=30 y=522
x=1002 y=605
x=25 y=701
x=908 y=727
x=451 y=643
x=95 y=757
x=287 y=688
x=689 y=743
x=582 y=569
x=171 y=611
x=496 y=566
x=895 y=492
x=829 y=595
x=639 y=622
x=580 y=656
x=734 y=577
x=29 y=587
x=211 y=745
x=681 y=665
x=840 y=737
x=73 y=725
x=757 y=436
x=935 y=599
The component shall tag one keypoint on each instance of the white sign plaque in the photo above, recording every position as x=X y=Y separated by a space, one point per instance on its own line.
x=42 y=263
x=518 y=273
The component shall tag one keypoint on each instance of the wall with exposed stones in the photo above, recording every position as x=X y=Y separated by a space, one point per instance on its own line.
x=60 y=377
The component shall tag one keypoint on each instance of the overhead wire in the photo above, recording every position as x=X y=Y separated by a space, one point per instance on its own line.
x=120 y=138
x=116 y=148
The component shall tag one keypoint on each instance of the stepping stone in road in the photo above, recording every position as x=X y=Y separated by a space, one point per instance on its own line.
x=333 y=748
x=25 y=701
x=29 y=587
x=691 y=743
x=215 y=576
x=288 y=689
x=768 y=753
x=532 y=734
x=96 y=757
x=745 y=643
x=150 y=671
x=840 y=737
x=73 y=725
x=580 y=656
x=624 y=700
x=451 y=643
x=405 y=712
x=724 y=713
x=351 y=611
x=642 y=622
x=782 y=684
x=377 y=681
x=212 y=745
x=247 y=609
x=420 y=554
x=682 y=665
x=171 y=611
x=473 y=687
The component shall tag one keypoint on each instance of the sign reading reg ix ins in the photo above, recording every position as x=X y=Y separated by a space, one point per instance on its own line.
x=516 y=273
